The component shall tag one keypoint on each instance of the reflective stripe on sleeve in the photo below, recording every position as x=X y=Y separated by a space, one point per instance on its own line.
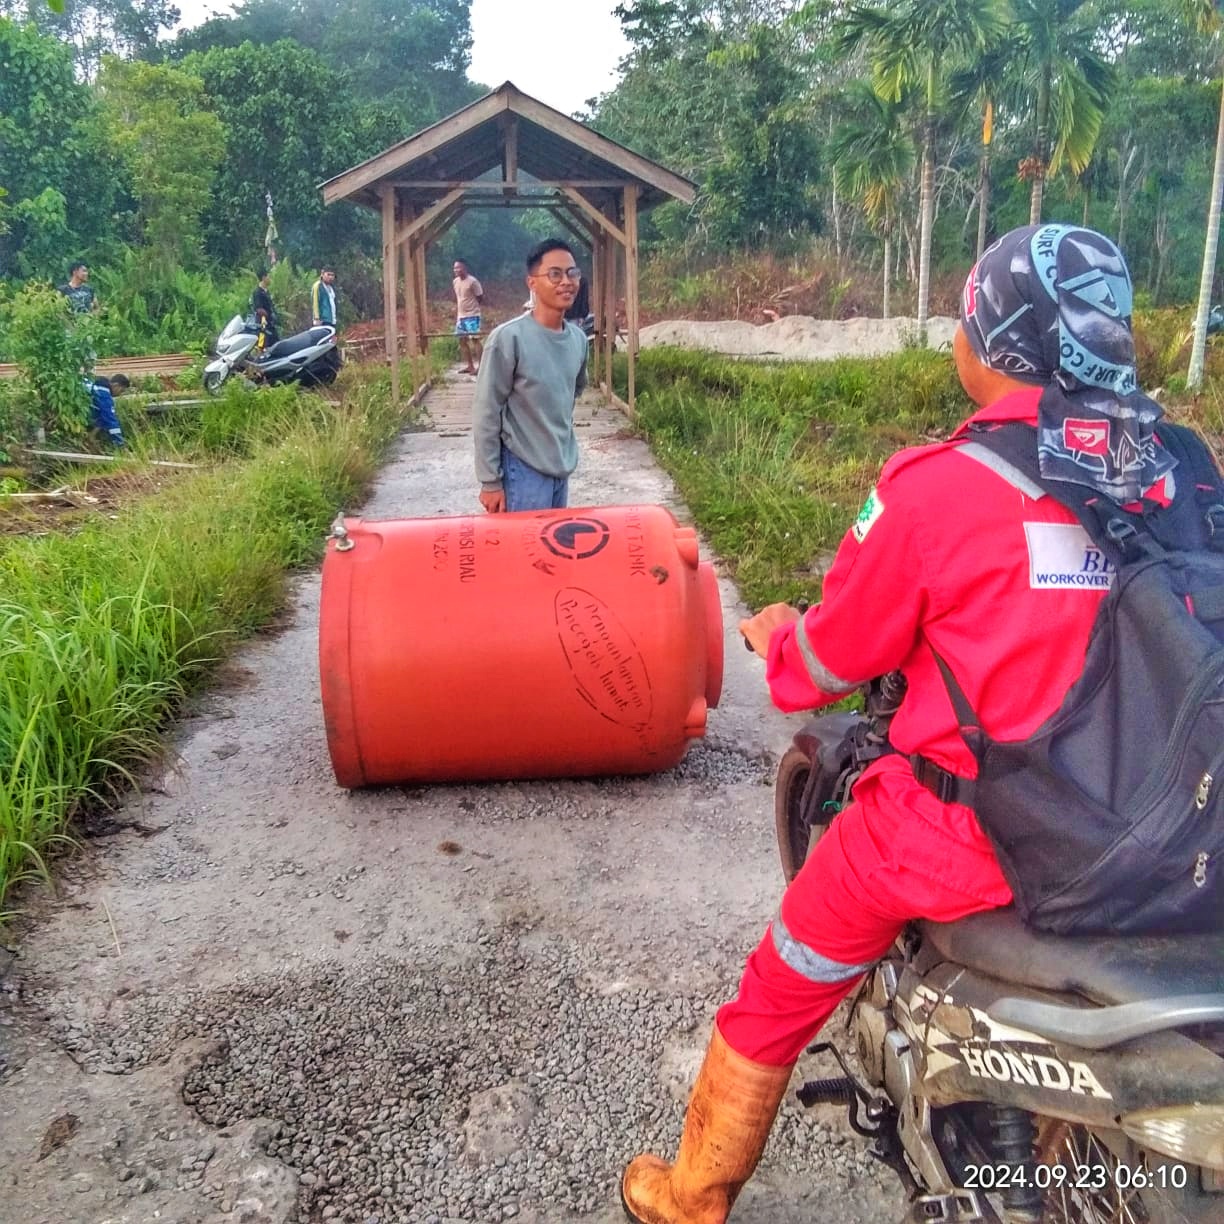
x=808 y=963
x=819 y=674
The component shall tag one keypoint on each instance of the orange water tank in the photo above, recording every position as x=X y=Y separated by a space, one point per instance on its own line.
x=539 y=644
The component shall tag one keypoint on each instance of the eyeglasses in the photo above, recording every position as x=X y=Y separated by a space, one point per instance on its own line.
x=555 y=275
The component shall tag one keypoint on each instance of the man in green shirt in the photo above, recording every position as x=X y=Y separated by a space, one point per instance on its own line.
x=533 y=369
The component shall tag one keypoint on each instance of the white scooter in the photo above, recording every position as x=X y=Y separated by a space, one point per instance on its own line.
x=311 y=357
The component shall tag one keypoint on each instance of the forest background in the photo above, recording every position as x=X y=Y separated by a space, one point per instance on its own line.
x=850 y=158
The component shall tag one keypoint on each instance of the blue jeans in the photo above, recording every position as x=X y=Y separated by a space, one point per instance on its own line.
x=527 y=489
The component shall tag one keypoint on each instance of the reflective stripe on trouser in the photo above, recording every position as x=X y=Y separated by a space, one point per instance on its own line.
x=883 y=862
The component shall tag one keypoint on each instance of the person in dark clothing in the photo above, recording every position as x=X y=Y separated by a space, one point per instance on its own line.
x=78 y=290
x=102 y=392
x=264 y=311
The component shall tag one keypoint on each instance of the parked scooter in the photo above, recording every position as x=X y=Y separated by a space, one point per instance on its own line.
x=1011 y=1076
x=311 y=357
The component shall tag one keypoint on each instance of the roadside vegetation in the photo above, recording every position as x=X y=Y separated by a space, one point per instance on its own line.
x=106 y=627
x=774 y=460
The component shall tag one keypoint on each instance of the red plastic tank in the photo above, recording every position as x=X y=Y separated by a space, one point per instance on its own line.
x=542 y=644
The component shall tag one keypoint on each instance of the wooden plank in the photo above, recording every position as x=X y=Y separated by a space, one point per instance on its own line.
x=501 y=184
x=441 y=224
x=157 y=363
x=510 y=154
x=601 y=219
x=417 y=146
x=566 y=216
x=413 y=228
x=76 y=457
x=390 y=331
x=631 y=289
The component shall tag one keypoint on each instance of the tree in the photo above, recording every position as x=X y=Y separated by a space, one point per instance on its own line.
x=912 y=45
x=1070 y=82
x=873 y=156
x=290 y=123
x=59 y=193
x=171 y=147
x=1206 y=16
x=94 y=28
x=411 y=55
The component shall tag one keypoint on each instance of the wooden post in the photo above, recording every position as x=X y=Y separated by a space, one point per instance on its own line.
x=390 y=286
x=411 y=328
x=631 y=287
x=422 y=310
x=611 y=262
x=596 y=289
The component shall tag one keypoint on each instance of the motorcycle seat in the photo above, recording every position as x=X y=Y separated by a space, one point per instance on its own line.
x=291 y=344
x=1105 y=969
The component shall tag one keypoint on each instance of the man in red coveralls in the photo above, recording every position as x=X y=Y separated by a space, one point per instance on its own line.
x=950 y=553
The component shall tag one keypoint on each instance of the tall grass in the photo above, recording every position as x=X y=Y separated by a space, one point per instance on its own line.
x=104 y=630
x=774 y=460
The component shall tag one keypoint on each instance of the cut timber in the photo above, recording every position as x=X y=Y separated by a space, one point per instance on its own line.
x=75 y=457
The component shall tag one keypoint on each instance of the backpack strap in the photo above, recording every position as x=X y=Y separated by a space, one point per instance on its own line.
x=1196 y=461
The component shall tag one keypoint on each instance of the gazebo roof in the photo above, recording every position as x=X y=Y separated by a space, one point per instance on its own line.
x=550 y=148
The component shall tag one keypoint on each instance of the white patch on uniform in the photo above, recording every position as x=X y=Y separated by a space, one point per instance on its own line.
x=868 y=516
x=1062 y=557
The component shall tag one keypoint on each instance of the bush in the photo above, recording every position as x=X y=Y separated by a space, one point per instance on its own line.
x=54 y=350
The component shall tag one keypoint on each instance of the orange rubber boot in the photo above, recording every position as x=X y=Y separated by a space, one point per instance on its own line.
x=730 y=1113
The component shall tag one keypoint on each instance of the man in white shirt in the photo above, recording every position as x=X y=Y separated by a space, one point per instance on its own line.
x=469 y=294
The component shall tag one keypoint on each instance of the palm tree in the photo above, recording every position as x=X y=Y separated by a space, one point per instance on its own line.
x=979 y=87
x=1070 y=82
x=911 y=45
x=873 y=157
x=1205 y=15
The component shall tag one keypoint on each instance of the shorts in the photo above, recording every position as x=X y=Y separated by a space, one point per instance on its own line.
x=469 y=326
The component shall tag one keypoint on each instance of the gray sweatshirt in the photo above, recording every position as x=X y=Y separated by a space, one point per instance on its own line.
x=525 y=391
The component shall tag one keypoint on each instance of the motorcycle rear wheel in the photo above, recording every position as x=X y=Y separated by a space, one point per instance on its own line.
x=1100 y=1184
x=797 y=832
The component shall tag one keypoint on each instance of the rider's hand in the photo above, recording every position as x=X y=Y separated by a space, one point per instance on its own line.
x=493 y=500
x=758 y=629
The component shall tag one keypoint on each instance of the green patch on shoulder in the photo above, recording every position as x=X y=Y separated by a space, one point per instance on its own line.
x=868 y=516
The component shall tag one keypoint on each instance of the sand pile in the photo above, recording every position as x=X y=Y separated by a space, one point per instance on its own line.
x=798 y=337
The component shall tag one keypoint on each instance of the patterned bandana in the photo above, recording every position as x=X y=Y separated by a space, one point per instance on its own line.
x=1051 y=305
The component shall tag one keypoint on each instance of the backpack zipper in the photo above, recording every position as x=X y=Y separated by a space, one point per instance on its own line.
x=1212 y=676
x=1200 y=869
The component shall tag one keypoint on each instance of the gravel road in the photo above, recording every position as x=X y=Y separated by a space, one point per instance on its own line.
x=264 y=999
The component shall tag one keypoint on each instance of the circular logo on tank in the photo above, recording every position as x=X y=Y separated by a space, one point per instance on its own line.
x=576 y=538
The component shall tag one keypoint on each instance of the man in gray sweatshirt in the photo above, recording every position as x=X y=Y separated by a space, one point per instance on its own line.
x=533 y=369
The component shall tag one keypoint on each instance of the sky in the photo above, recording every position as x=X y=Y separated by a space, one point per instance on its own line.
x=560 y=51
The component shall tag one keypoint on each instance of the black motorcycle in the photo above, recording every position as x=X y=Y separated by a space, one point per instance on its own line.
x=1015 y=1077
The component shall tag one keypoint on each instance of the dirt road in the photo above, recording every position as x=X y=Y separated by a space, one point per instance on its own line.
x=265 y=999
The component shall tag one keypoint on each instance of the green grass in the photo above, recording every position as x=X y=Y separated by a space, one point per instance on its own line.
x=775 y=460
x=104 y=629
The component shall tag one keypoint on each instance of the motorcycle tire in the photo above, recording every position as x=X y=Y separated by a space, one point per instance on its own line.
x=214 y=380
x=797 y=831
x=1124 y=1189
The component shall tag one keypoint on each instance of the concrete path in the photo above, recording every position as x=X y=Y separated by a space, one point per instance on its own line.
x=267 y=999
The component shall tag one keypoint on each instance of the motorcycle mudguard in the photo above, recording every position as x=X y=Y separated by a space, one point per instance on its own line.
x=217 y=366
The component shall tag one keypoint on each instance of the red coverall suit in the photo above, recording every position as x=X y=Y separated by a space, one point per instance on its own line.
x=948 y=554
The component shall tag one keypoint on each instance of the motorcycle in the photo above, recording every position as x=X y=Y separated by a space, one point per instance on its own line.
x=1011 y=1076
x=310 y=358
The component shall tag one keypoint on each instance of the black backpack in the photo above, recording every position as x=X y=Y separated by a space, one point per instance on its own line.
x=1110 y=817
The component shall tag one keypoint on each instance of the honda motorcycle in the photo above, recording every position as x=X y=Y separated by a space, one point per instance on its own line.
x=1011 y=1076
x=310 y=358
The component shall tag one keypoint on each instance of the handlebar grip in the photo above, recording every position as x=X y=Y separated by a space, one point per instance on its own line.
x=801 y=606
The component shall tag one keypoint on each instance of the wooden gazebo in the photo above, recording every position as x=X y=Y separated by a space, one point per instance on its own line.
x=508 y=150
